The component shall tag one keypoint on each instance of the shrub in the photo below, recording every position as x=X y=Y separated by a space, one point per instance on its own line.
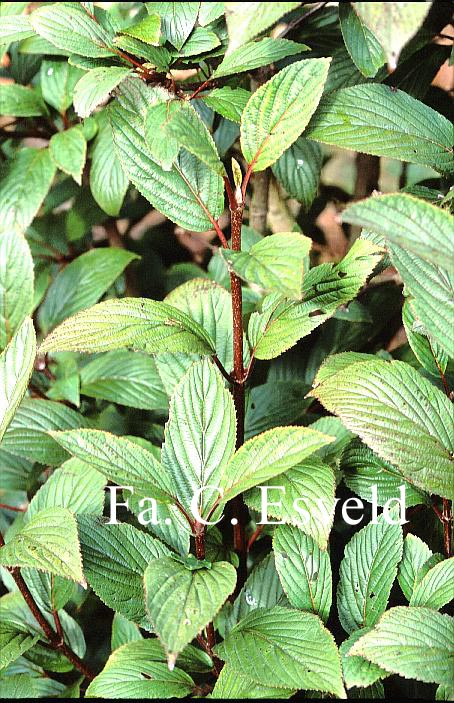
x=223 y=411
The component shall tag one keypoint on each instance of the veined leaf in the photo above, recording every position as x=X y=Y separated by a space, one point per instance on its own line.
x=312 y=485
x=190 y=194
x=436 y=588
x=95 y=87
x=177 y=19
x=57 y=81
x=288 y=647
x=281 y=323
x=147 y=30
x=16 y=283
x=15 y=28
x=416 y=553
x=67 y=26
x=357 y=671
x=108 y=181
x=413 y=224
x=376 y=120
x=115 y=558
x=123 y=632
x=200 y=41
x=69 y=151
x=136 y=323
x=416 y=643
x=16 y=366
x=298 y=170
x=131 y=672
x=255 y=54
x=180 y=602
x=48 y=542
x=400 y=415
x=392 y=23
x=245 y=21
x=361 y=43
x=367 y=573
x=428 y=352
x=267 y=455
x=82 y=283
x=268 y=265
x=200 y=435
x=233 y=685
x=279 y=110
x=20 y=101
x=119 y=460
x=24 y=187
x=13 y=644
x=304 y=571
x=228 y=102
x=210 y=11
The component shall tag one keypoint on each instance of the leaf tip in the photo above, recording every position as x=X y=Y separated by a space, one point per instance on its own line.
x=171 y=660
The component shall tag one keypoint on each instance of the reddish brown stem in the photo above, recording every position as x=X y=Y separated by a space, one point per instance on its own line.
x=14 y=508
x=55 y=640
x=447 y=519
x=221 y=368
x=254 y=536
x=201 y=87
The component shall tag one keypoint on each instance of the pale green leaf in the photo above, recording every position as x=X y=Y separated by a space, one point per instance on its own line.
x=136 y=323
x=304 y=571
x=24 y=187
x=279 y=110
x=16 y=366
x=288 y=647
x=177 y=19
x=147 y=30
x=362 y=44
x=95 y=87
x=233 y=685
x=200 y=41
x=428 y=352
x=123 y=631
x=81 y=283
x=180 y=601
x=367 y=573
x=57 y=80
x=115 y=558
x=400 y=415
x=48 y=542
x=13 y=644
x=358 y=672
x=255 y=54
x=298 y=170
x=228 y=102
x=415 y=555
x=16 y=283
x=246 y=20
x=376 y=120
x=416 y=643
x=436 y=588
x=108 y=181
x=20 y=101
x=15 y=28
x=131 y=672
x=67 y=26
x=69 y=151
x=210 y=11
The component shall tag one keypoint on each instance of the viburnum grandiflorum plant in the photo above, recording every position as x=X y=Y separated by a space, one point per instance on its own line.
x=226 y=465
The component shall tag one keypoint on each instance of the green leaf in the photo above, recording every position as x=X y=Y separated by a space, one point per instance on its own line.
x=362 y=470
x=358 y=672
x=115 y=558
x=67 y=26
x=190 y=194
x=392 y=23
x=268 y=265
x=416 y=554
x=180 y=602
x=119 y=460
x=177 y=19
x=48 y=542
x=24 y=187
x=69 y=151
x=413 y=224
x=130 y=672
x=16 y=366
x=362 y=44
x=147 y=30
x=28 y=686
x=210 y=11
x=288 y=647
x=245 y=22
x=304 y=571
x=13 y=644
x=108 y=182
x=376 y=120
x=400 y=415
x=57 y=80
x=28 y=435
x=281 y=323
x=127 y=378
x=428 y=352
x=158 y=56
x=298 y=170
x=308 y=484
x=20 y=101
x=15 y=28
x=367 y=573
x=123 y=631
x=16 y=283
x=267 y=455
x=236 y=686
x=279 y=110
x=200 y=41
x=255 y=54
x=95 y=87
x=416 y=643
x=436 y=588
x=82 y=283
x=200 y=435
x=177 y=120
x=228 y=102
x=274 y=403
x=137 y=323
